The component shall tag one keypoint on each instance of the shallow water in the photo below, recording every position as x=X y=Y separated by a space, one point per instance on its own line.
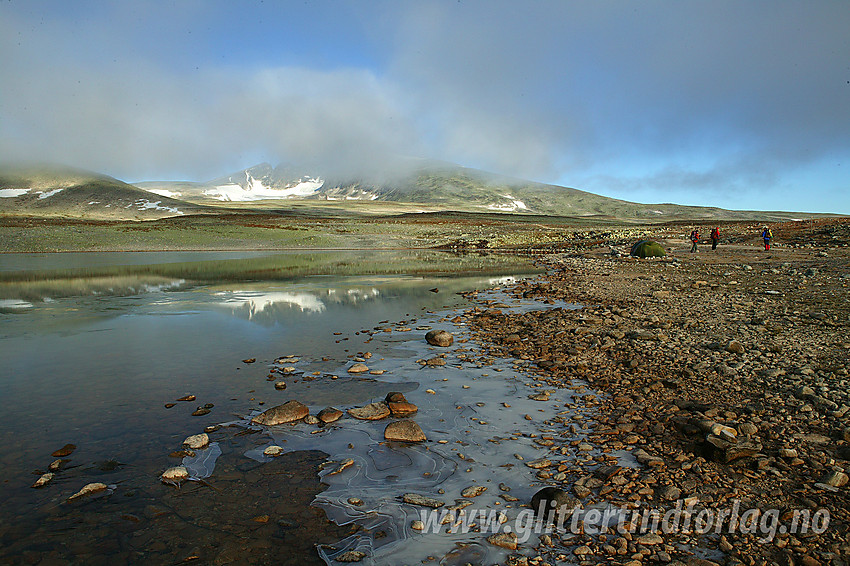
x=96 y=367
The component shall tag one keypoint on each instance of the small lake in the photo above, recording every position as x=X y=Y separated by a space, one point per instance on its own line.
x=97 y=349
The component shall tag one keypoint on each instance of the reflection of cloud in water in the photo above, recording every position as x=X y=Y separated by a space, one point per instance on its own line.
x=14 y=304
x=256 y=302
x=264 y=304
x=500 y=280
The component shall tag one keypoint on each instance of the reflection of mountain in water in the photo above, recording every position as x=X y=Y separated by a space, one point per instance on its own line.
x=267 y=305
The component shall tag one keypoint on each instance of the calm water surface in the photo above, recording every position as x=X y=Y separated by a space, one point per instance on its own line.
x=93 y=347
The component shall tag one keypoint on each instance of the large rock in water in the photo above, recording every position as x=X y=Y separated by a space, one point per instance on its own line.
x=404 y=431
x=290 y=411
x=442 y=338
x=371 y=412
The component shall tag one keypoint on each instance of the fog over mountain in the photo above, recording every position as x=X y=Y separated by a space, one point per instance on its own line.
x=732 y=104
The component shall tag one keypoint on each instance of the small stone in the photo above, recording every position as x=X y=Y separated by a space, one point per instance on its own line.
x=187 y=398
x=402 y=409
x=358 y=368
x=329 y=415
x=504 y=540
x=836 y=479
x=404 y=431
x=371 y=412
x=735 y=347
x=200 y=412
x=64 y=451
x=197 y=441
x=175 y=475
x=417 y=525
x=649 y=539
x=356 y=501
x=249 y=360
x=440 y=338
x=43 y=480
x=351 y=556
x=421 y=500
x=56 y=465
x=670 y=492
x=288 y=412
x=89 y=489
x=473 y=491
x=540 y=463
x=273 y=451
x=311 y=420
x=280 y=385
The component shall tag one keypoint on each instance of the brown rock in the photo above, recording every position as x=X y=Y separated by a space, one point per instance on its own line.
x=441 y=338
x=64 y=451
x=290 y=411
x=395 y=397
x=504 y=540
x=402 y=409
x=329 y=415
x=404 y=431
x=358 y=368
x=371 y=412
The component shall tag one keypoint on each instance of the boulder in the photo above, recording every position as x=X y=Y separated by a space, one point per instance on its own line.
x=329 y=415
x=442 y=338
x=290 y=411
x=371 y=412
x=404 y=431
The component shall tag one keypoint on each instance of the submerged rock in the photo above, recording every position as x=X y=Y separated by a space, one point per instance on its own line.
x=371 y=412
x=422 y=500
x=43 y=480
x=473 y=491
x=351 y=556
x=89 y=489
x=64 y=451
x=290 y=411
x=442 y=338
x=358 y=368
x=404 y=431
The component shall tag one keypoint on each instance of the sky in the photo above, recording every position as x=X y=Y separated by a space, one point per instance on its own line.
x=730 y=103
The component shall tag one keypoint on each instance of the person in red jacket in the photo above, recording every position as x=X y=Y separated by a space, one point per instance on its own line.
x=694 y=239
x=715 y=237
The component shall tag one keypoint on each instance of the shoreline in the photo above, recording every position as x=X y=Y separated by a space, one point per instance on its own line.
x=680 y=350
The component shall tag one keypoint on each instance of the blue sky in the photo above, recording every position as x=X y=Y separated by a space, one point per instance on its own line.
x=718 y=102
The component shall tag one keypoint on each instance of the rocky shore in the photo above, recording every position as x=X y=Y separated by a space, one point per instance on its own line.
x=721 y=374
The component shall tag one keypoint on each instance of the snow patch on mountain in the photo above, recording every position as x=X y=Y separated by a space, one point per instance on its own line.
x=512 y=206
x=43 y=194
x=144 y=204
x=165 y=193
x=255 y=189
x=9 y=193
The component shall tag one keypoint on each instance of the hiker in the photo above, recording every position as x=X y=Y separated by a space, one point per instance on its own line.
x=766 y=235
x=694 y=239
x=715 y=237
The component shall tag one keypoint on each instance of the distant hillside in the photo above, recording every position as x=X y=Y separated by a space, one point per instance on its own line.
x=436 y=186
x=62 y=191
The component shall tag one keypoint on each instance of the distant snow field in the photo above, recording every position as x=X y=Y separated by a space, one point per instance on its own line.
x=7 y=193
x=256 y=190
x=144 y=204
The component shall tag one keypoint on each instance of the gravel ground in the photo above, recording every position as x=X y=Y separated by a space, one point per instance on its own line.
x=723 y=374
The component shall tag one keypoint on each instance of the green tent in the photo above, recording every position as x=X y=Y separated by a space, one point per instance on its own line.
x=648 y=248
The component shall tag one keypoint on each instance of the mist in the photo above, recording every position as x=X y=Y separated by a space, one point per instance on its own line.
x=633 y=97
